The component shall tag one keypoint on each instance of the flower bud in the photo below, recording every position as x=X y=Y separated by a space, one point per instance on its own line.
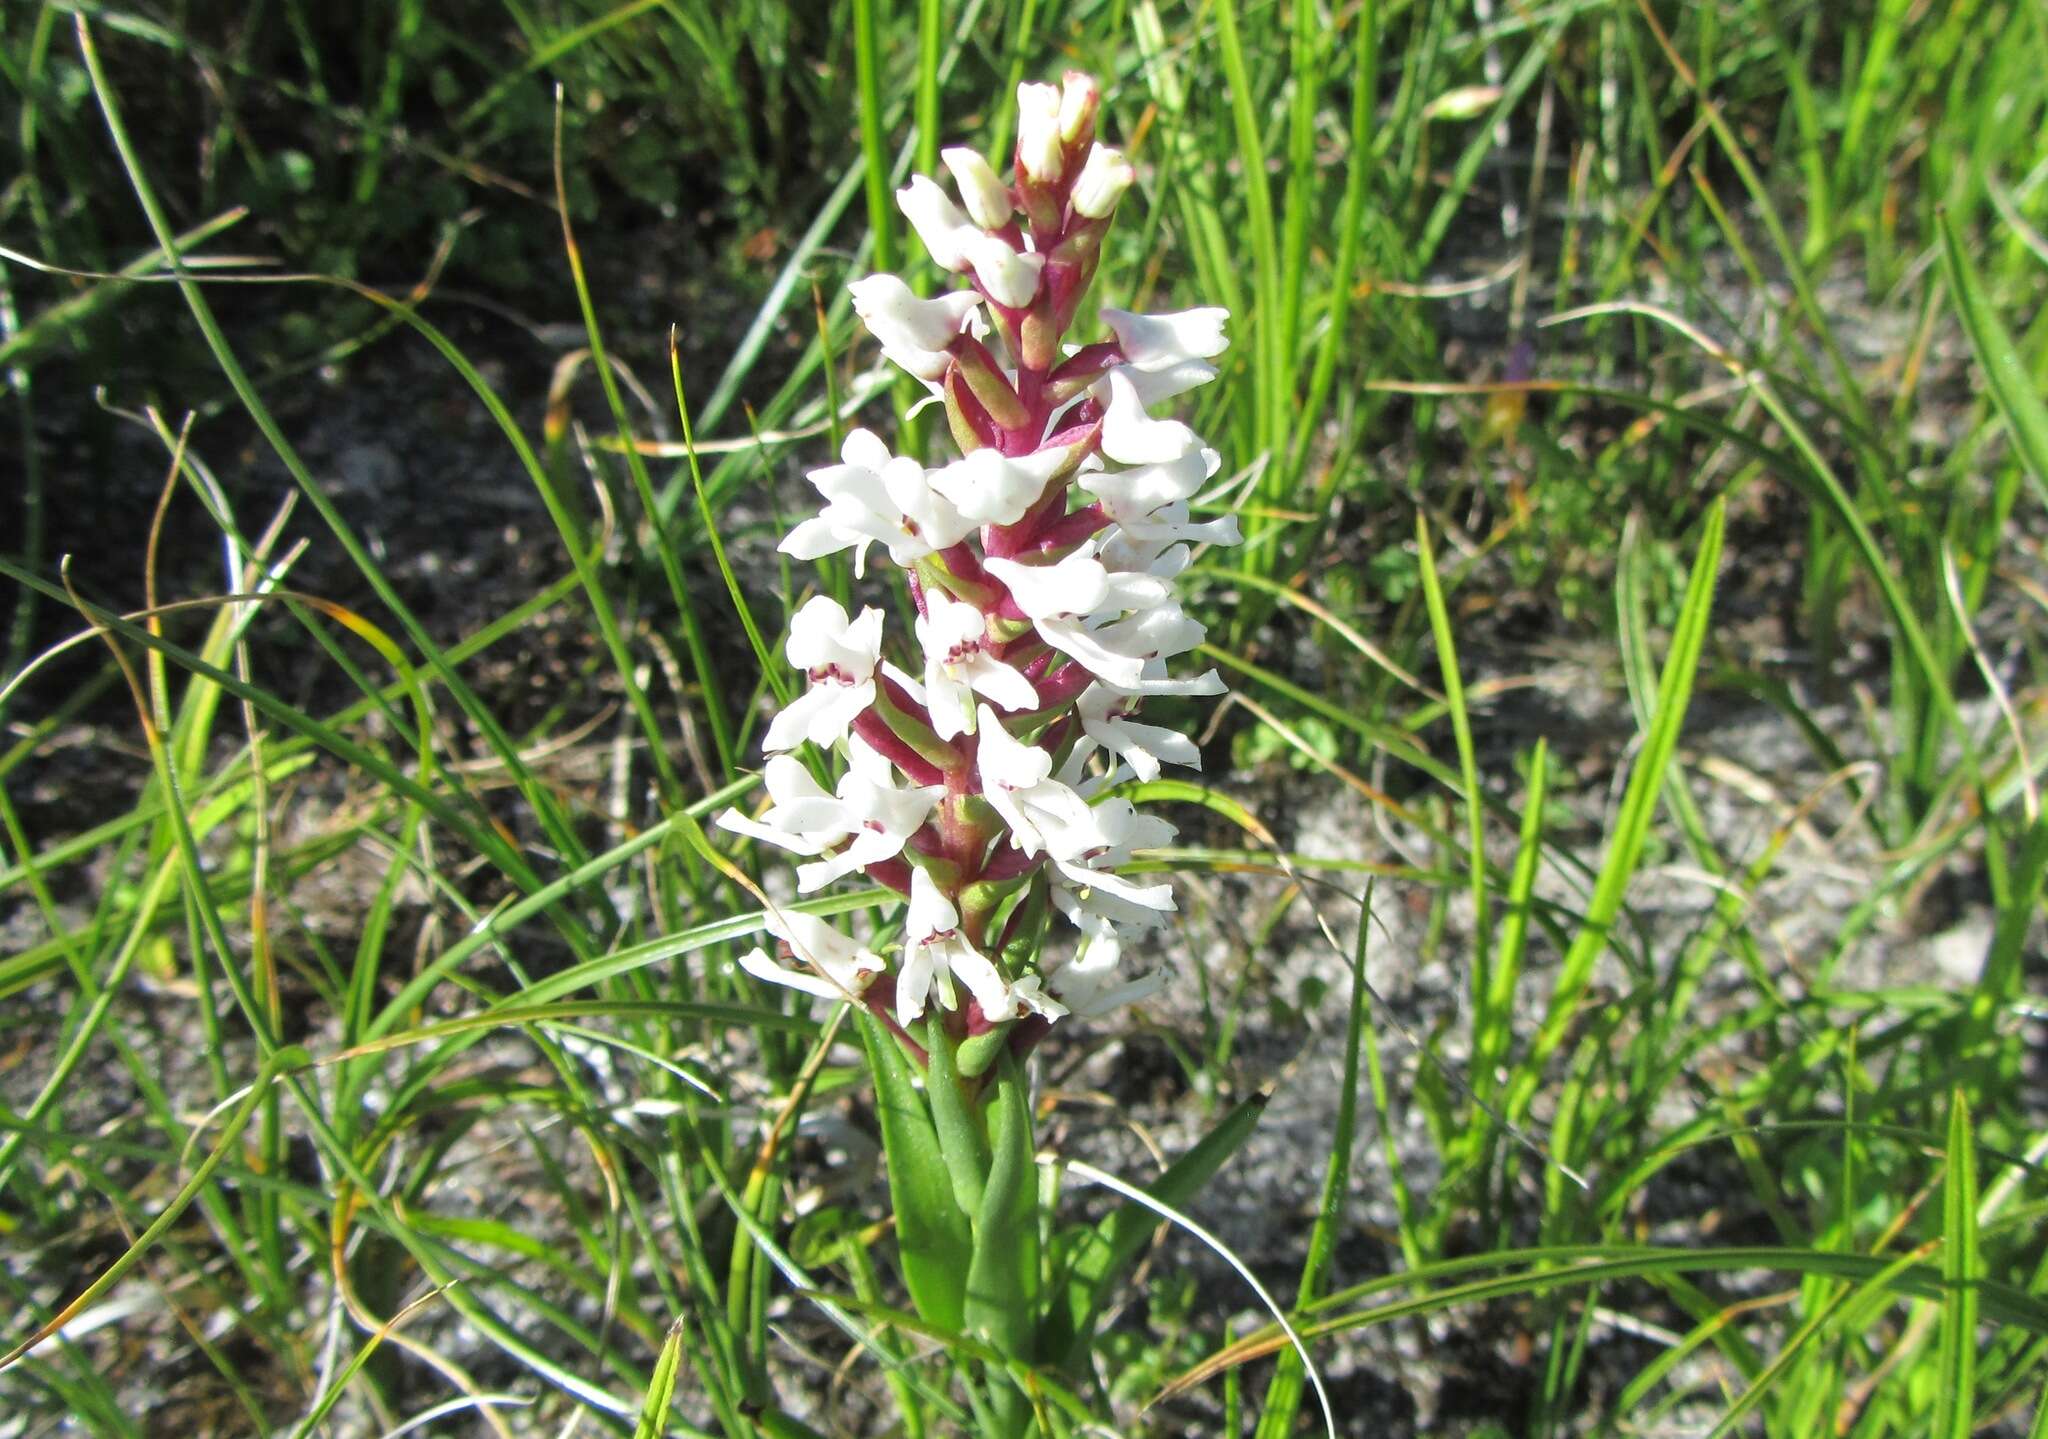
x=1039 y=146
x=1102 y=183
x=937 y=220
x=1079 y=99
x=987 y=198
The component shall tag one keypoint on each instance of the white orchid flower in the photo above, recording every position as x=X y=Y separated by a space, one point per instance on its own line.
x=1091 y=984
x=840 y=968
x=1120 y=651
x=1144 y=747
x=1085 y=895
x=995 y=489
x=858 y=510
x=1102 y=182
x=1159 y=342
x=1133 y=493
x=914 y=332
x=1077 y=586
x=868 y=807
x=878 y=815
x=1040 y=147
x=839 y=655
x=802 y=817
x=1030 y=994
x=934 y=951
x=958 y=666
x=875 y=496
x=1016 y=779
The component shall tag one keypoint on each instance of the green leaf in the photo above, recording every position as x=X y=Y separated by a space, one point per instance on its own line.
x=1962 y=1270
x=932 y=1239
x=1002 y=1279
x=960 y=1136
x=1093 y=1259
x=2012 y=387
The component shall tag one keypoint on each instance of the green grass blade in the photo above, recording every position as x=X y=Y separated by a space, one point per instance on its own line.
x=1461 y=728
x=1288 y=1386
x=1962 y=1271
x=661 y=1385
x=2012 y=386
x=1638 y=806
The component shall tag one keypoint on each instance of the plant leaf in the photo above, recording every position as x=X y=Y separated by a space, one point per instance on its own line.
x=932 y=1240
x=1002 y=1279
x=960 y=1136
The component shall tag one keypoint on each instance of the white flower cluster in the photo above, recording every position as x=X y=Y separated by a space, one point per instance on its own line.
x=979 y=782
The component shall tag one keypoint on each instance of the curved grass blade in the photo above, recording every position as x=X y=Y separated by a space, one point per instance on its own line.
x=2014 y=390
x=1102 y=1254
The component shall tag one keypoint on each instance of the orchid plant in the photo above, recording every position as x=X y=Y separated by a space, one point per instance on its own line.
x=981 y=775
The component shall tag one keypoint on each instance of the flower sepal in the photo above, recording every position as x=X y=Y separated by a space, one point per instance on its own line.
x=940 y=578
x=975 y=365
x=978 y=1052
x=914 y=732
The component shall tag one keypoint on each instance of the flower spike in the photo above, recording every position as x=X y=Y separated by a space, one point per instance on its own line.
x=982 y=763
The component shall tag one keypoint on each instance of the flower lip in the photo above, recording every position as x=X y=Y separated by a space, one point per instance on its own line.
x=1132 y=437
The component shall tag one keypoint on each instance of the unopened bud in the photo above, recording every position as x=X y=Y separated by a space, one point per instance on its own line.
x=1038 y=134
x=1102 y=183
x=1079 y=99
x=987 y=198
